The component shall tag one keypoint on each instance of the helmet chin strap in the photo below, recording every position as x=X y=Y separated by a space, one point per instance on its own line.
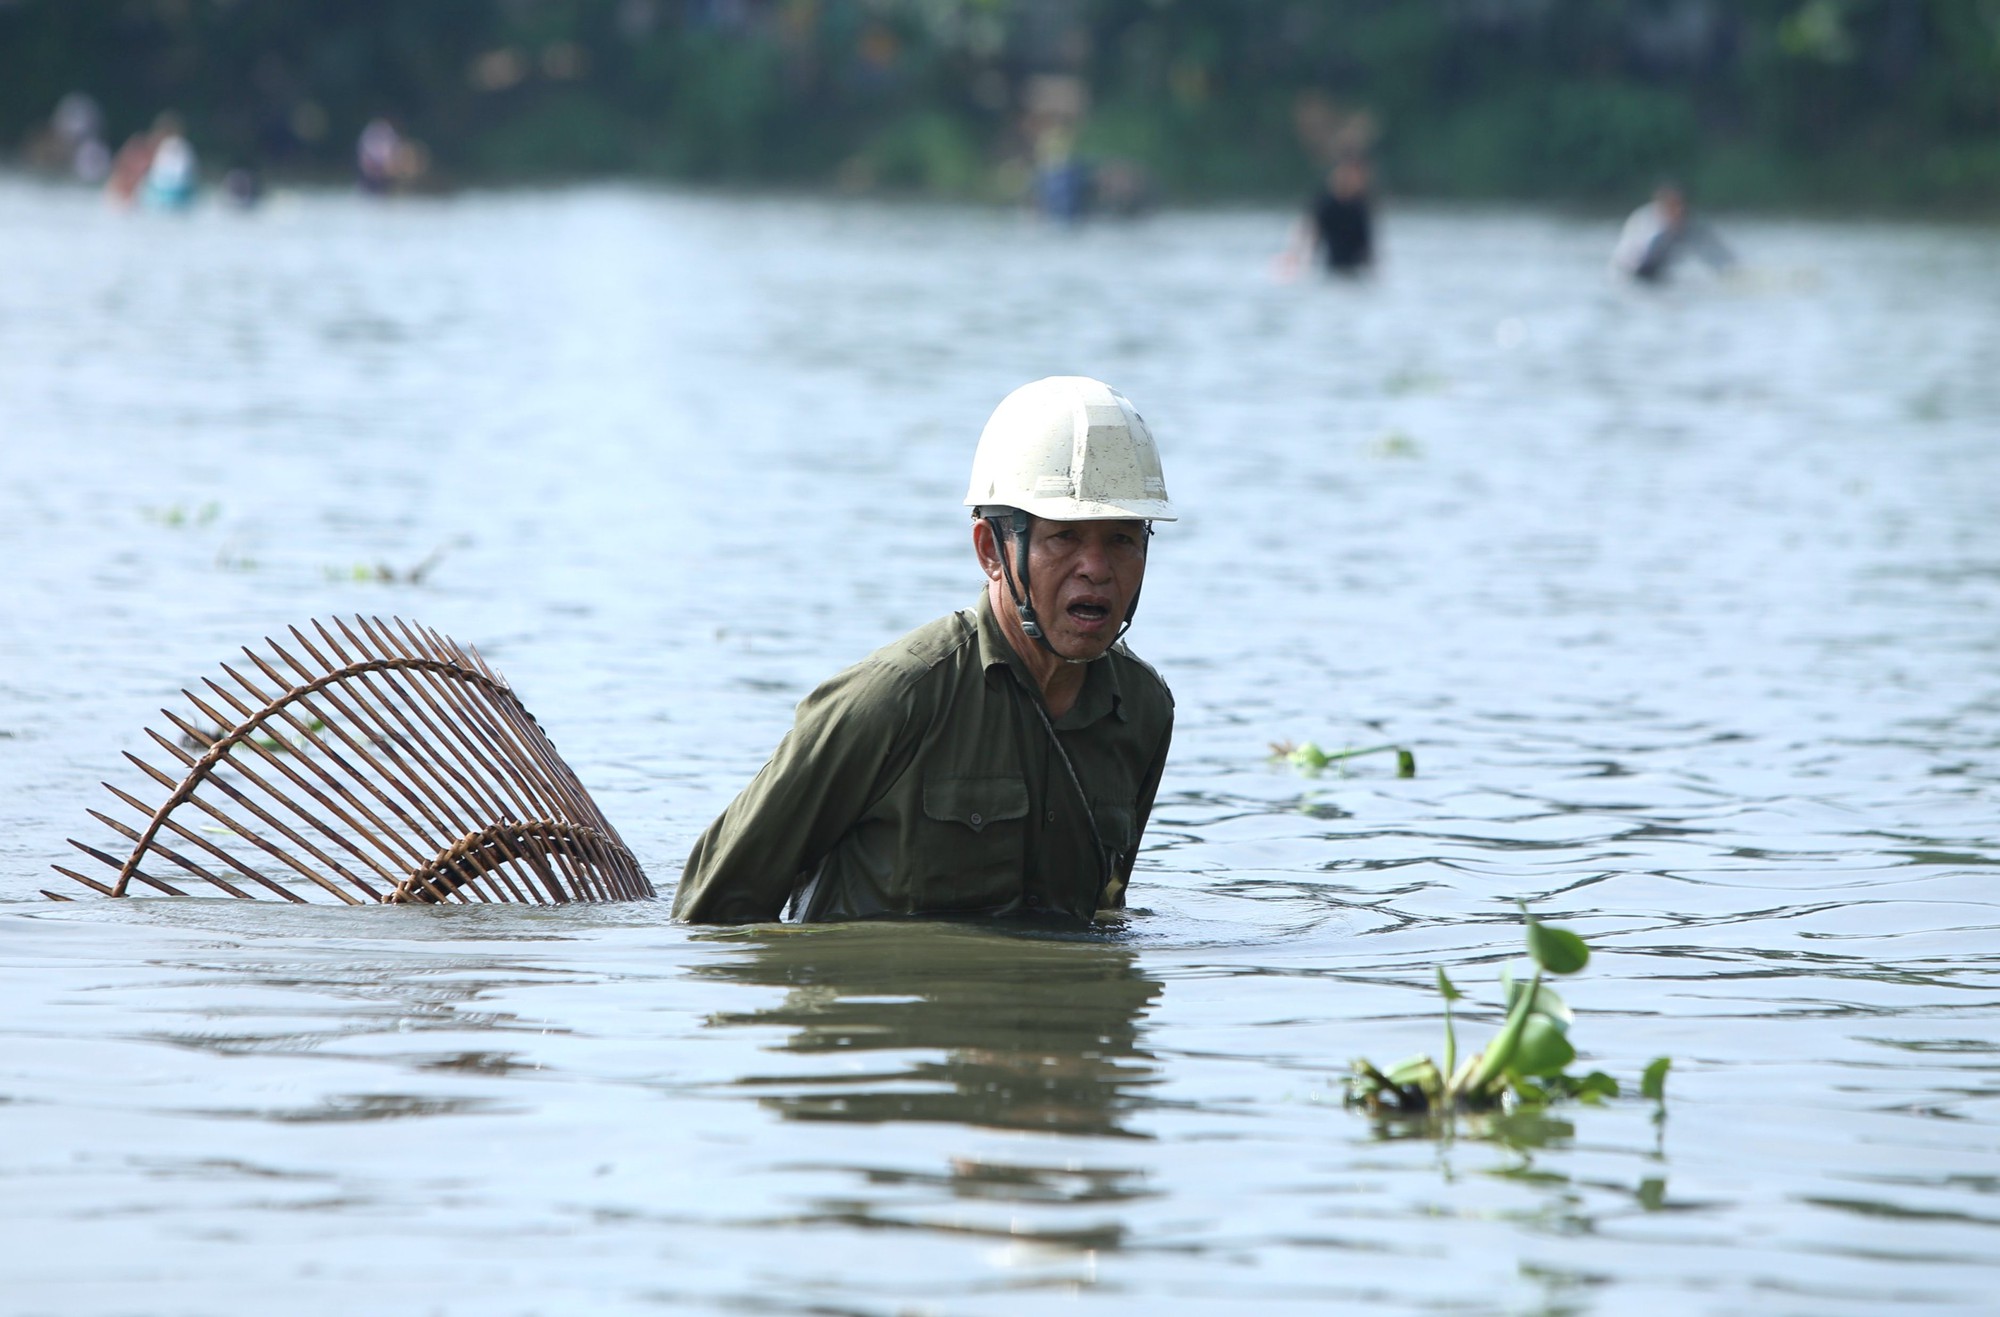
x=1017 y=524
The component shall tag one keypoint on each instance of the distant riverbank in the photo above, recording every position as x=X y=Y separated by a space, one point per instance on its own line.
x=1873 y=105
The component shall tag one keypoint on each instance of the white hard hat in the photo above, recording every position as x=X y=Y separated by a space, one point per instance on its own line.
x=1069 y=448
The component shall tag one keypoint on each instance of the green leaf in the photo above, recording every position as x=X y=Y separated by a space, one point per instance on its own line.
x=1486 y=1079
x=1419 y=1071
x=1415 y=1070
x=1406 y=763
x=1547 y=1002
x=1543 y=1050
x=1653 y=1083
x=1529 y=1094
x=1556 y=950
x=1446 y=987
x=1596 y=1086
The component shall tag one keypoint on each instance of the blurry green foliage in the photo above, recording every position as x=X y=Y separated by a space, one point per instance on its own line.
x=1759 y=101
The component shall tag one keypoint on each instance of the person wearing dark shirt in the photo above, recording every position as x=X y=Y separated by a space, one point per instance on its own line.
x=1003 y=759
x=1343 y=226
x=1338 y=226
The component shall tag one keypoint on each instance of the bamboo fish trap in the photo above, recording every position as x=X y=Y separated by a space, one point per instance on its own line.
x=372 y=763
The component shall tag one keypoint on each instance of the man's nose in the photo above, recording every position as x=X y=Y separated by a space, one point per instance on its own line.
x=1093 y=563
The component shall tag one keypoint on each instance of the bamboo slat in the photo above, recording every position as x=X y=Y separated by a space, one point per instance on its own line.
x=363 y=764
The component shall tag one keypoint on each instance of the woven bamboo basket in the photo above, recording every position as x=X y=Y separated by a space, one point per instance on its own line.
x=372 y=763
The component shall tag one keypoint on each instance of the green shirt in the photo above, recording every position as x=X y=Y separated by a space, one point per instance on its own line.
x=922 y=780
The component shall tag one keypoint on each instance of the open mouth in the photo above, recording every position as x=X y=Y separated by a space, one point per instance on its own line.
x=1089 y=614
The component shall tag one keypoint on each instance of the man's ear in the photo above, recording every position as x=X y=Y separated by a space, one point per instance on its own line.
x=987 y=547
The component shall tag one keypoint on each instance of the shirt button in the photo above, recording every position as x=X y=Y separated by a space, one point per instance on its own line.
x=975 y=820
x=1052 y=816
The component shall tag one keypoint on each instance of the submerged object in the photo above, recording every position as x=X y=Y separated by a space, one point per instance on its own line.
x=380 y=763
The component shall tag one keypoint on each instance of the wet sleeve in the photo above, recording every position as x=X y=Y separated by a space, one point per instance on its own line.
x=819 y=781
x=1114 y=896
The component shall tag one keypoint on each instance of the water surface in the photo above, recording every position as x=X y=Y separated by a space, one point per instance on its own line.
x=1686 y=601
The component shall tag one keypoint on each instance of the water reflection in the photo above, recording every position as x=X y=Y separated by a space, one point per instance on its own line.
x=961 y=1024
x=1520 y=1131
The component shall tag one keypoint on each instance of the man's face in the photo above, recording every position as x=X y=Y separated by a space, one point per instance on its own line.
x=1083 y=576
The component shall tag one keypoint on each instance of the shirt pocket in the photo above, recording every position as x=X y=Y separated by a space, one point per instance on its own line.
x=975 y=837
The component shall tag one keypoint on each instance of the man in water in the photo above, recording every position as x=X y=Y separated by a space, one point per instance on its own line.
x=1001 y=760
x=1338 y=224
x=1659 y=233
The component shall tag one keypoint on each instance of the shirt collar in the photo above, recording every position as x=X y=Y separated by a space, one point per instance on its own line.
x=1100 y=694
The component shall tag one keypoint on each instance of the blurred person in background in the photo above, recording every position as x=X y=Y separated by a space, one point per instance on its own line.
x=1659 y=233
x=129 y=166
x=157 y=167
x=1002 y=760
x=243 y=185
x=385 y=160
x=73 y=141
x=1339 y=224
x=173 y=173
x=1062 y=180
x=1056 y=107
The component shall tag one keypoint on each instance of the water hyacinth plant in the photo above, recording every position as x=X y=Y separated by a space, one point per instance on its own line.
x=1526 y=1064
x=1309 y=758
